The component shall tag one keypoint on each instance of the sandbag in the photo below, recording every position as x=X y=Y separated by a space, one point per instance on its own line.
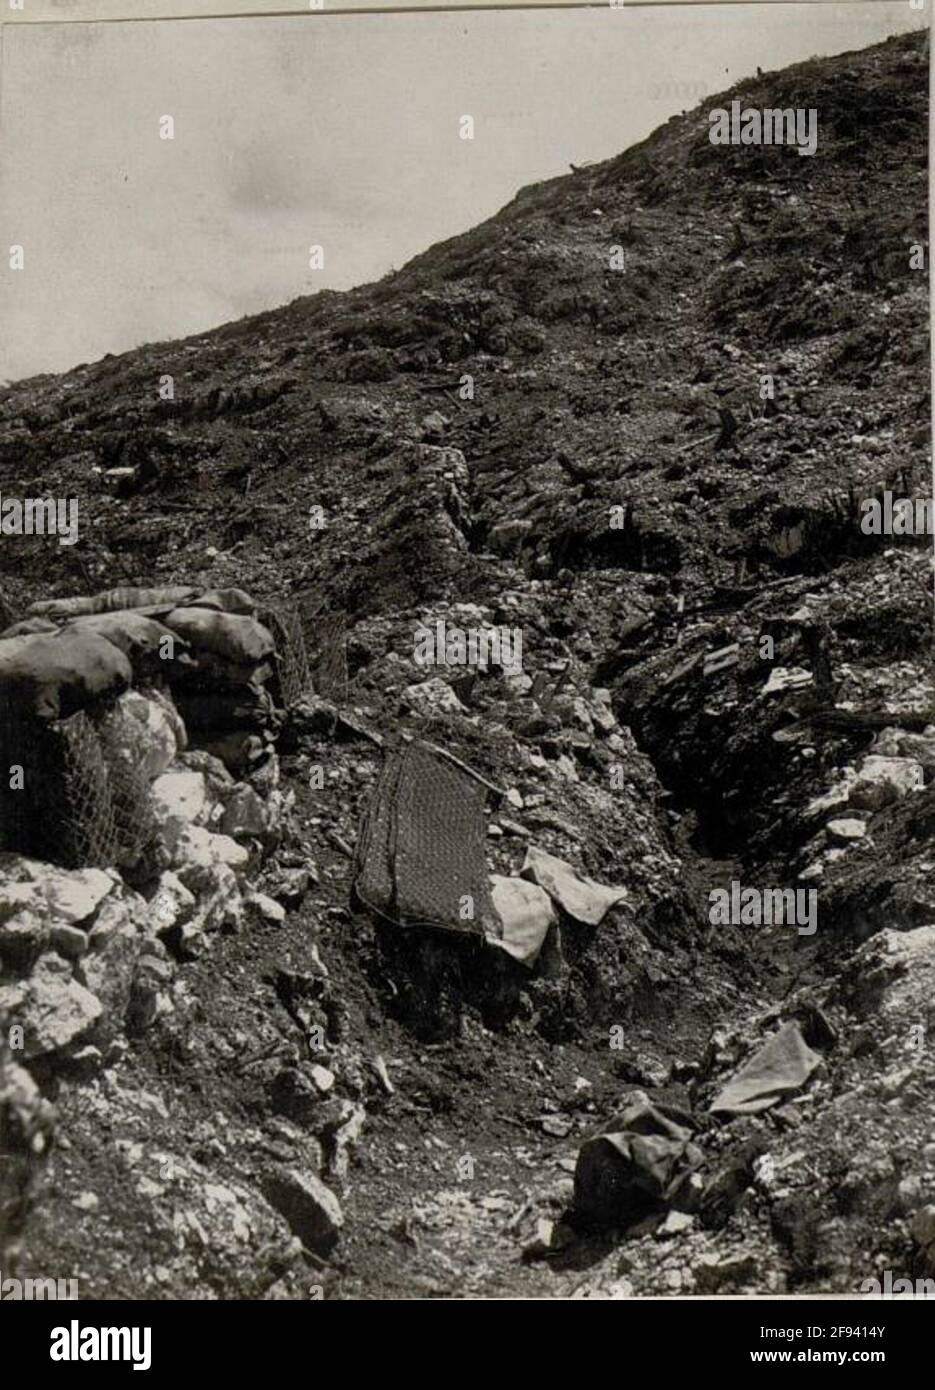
x=244 y=709
x=112 y=600
x=233 y=637
x=133 y=633
x=209 y=672
x=28 y=627
x=228 y=601
x=55 y=676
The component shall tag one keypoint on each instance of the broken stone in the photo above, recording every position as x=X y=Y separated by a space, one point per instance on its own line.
x=846 y=829
x=290 y=885
x=556 y=1125
x=70 y=942
x=322 y=1078
x=603 y=717
x=517 y=683
x=74 y=895
x=117 y=942
x=881 y=781
x=294 y=1096
x=311 y=1209
x=181 y=797
x=675 y=1224
x=267 y=907
x=244 y=814
x=542 y=1242
x=573 y=712
x=197 y=849
x=23 y=937
x=832 y=800
x=433 y=697
x=148 y=996
x=146 y=734
x=52 y=1008
x=919 y=747
x=382 y=1075
x=16 y=897
x=712 y=1272
x=170 y=905
x=344 y=1140
x=219 y=903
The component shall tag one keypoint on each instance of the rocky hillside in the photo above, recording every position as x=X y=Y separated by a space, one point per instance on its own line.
x=633 y=415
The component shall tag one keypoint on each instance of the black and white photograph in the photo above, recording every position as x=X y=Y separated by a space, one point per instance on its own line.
x=467 y=667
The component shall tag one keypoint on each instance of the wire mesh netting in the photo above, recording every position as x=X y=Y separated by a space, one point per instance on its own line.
x=422 y=847
x=285 y=623
x=329 y=664
x=84 y=800
x=311 y=648
x=88 y=830
x=135 y=824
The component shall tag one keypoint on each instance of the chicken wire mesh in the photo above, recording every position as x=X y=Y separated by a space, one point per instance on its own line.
x=135 y=824
x=292 y=666
x=88 y=832
x=311 y=649
x=84 y=800
x=329 y=663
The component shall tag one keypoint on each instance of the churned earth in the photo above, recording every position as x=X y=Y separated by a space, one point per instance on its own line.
x=638 y=468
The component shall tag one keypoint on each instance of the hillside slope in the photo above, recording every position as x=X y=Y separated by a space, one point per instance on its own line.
x=468 y=427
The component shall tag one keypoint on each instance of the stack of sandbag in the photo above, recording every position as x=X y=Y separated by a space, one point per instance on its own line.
x=221 y=688
x=206 y=645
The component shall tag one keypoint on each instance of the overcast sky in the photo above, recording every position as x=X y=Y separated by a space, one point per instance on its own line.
x=336 y=130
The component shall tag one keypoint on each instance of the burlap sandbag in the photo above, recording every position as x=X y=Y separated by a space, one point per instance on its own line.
x=113 y=600
x=228 y=601
x=206 y=672
x=135 y=634
x=220 y=711
x=28 y=628
x=233 y=637
x=55 y=676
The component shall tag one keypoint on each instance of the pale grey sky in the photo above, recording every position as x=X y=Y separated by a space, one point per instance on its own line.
x=338 y=130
